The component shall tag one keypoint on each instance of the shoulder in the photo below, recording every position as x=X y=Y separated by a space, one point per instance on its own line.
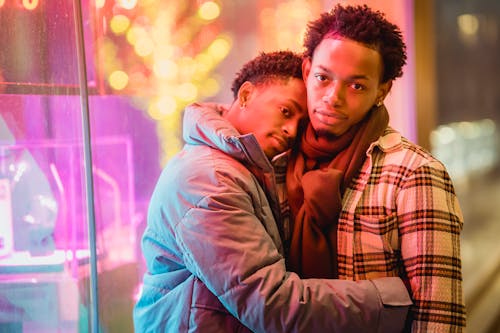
x=195 y=174
x=395 y=149
x=200 y=164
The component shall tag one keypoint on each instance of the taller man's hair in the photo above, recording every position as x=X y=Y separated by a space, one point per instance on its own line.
x=363 y=25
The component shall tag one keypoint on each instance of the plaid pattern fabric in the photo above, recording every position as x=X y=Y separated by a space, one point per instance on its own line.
x=401 y=217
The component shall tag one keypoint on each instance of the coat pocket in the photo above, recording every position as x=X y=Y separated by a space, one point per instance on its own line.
x=376 y=233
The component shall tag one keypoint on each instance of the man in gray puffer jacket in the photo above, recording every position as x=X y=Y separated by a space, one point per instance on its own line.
x=214 y=254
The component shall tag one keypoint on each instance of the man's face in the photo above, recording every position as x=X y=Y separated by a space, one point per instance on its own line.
x=343 y=83
x=273 y=113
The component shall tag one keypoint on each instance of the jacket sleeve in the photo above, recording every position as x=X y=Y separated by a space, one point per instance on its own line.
x=430 y=222
x=227 y=247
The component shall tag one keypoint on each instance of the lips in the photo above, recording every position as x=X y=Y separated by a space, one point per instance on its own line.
x=330 y=113
x=283 y=143
x=329 y=117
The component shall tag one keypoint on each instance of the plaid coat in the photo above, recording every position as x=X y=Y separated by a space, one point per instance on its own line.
x=400 y=217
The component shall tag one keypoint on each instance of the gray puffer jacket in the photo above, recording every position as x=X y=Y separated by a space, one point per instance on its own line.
x=214 y=253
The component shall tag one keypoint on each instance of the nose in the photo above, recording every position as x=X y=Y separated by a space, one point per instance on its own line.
x=334 y=93
x=290 y=129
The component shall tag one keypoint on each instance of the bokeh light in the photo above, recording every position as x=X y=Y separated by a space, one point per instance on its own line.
x=118 y=80
x=468 y=24
x=144 y=46
x=127 y=4
x=209 y=11
x=30 y=4
x=165 y=51
x=165 y=69
x=100 y=3
x=220 y=47
x=187 y=92
x=119 y=24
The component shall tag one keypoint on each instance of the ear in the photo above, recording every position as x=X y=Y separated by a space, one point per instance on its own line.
x=306 y=68
x=383 y=90
x=245 y=92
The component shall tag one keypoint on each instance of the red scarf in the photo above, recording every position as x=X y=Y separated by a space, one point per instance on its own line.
x=317 y=177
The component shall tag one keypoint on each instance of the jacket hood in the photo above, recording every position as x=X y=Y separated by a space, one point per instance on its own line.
x=204 y=124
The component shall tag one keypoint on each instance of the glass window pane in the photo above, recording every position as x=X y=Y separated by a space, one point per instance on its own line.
x=44 y=251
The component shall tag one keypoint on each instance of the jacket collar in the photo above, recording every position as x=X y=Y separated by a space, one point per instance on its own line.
x=389 y=141
x=204 y=124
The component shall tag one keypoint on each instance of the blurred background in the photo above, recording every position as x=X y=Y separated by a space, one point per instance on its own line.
x=91 y=100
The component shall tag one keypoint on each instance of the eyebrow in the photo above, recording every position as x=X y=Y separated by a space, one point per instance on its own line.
x=297 y=105
x=354 y=77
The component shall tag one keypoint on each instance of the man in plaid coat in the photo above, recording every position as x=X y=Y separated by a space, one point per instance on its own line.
x=364 y=201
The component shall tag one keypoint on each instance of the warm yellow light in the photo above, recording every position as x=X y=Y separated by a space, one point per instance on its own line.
x=2 y=2
x=468 y=24
x=169 y=131
x=170 y=125
x=144 y=46
x=109 y=48
x=30 y=4
x=119 y=24
x=187 y=68
x=204 y=63
x=146 y=3
x=209 y=11
x=220 y=47
x=100 y=3
x=107 y=53
x=163 y=50
x=166 y=105
x=163 y=108
x=210 y=87
x=118 y=80
x=165 y=69
x=127 y=4
x=153 y=111
x=187 y=92
x=135 y=33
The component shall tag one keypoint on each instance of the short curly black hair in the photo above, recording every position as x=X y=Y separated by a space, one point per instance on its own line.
x=269 y=66
x=363 y=25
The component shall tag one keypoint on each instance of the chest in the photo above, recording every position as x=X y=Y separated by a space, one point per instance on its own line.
x=368 y=233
